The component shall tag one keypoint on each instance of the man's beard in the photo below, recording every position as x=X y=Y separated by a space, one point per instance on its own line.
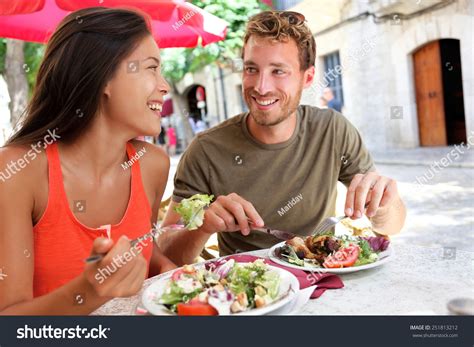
x=286 y=109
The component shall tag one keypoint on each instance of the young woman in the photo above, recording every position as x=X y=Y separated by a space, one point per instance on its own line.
x=73 y=182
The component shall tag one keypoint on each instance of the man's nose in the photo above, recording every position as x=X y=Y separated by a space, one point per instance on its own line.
x=263 y=85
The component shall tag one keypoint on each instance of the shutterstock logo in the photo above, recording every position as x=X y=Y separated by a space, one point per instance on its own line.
x=48 y=332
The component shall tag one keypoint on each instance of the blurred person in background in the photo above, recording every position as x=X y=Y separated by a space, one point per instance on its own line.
x=162 y=139
x=171 y=137
x=331 y=101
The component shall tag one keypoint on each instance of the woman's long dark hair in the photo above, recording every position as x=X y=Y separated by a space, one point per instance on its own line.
x=80 y=58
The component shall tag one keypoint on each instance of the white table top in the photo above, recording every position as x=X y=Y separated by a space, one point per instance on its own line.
x=418 y=281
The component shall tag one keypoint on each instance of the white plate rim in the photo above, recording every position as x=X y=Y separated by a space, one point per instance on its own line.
x=388 y=255
x=158 y=309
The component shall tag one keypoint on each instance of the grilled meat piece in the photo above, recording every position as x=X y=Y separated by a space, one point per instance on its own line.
x=297 y=243
x=324 y=244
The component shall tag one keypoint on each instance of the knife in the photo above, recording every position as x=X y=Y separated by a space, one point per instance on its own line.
x=279 y=234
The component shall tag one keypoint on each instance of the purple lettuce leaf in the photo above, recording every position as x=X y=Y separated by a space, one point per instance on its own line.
x=377 y=243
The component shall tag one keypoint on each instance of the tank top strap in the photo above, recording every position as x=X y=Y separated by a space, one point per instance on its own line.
x=55 y=176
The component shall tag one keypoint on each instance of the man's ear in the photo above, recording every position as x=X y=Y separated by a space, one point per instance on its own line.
x=309 y=76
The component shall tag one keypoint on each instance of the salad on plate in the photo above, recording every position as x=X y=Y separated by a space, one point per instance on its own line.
x=332 y=252
x=220 y=288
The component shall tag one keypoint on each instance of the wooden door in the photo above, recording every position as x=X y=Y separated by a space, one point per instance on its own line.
x=429 y=95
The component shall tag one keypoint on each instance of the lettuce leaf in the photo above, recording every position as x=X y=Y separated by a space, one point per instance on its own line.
x=366 y=260
x=177 y=295
x=287 y=253
x=245 y=278
x=366 y=255
x=191 y=210
x=271 y=282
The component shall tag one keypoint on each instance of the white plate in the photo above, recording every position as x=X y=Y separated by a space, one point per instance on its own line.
x=289 y=287
x=384 y=257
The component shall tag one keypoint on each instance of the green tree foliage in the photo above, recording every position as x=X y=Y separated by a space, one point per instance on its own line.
x=33 y=55
x=179 y=61
x=3 y=53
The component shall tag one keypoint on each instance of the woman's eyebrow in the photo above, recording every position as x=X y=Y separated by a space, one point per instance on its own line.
x=153 y=58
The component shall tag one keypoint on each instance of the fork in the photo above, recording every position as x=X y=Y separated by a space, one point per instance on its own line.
x=330 y=222
x=152 y=234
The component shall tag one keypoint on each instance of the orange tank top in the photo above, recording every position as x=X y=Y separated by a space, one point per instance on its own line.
x=62 y=242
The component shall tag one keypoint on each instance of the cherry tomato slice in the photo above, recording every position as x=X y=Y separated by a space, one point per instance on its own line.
x=196 y=309
x=345 y=257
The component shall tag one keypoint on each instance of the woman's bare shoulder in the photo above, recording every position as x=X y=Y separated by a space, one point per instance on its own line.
x=21 y=165
x=153 y=158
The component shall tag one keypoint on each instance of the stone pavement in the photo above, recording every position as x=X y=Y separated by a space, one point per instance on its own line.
x=455 y=156
x=439 y=194
x=441 y=211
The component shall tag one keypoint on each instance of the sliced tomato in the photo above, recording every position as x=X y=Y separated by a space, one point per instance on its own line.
x=345 y=257
x=177 y=275
x=196 y=308
x=186 y=269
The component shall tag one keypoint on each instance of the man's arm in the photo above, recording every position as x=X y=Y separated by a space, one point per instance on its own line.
x=357 y=172
x=227 y=213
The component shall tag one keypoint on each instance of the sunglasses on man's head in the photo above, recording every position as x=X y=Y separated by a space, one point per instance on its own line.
x=292 y=17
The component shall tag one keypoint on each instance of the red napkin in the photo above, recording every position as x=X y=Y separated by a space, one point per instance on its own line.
x=307 y=279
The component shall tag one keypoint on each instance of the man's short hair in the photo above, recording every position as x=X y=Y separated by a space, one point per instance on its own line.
x=281 y=26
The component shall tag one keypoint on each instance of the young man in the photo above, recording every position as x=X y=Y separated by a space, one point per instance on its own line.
x=279 y=164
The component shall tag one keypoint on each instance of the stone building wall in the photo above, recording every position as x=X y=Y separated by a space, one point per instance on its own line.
x=377 y=72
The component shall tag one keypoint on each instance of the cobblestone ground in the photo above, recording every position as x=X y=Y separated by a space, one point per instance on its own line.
x=440 y=211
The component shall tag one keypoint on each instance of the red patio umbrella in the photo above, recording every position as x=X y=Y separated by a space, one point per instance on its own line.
x=175 y=23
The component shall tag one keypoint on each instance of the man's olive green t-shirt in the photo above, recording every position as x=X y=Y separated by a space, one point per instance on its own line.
x=292 y=185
